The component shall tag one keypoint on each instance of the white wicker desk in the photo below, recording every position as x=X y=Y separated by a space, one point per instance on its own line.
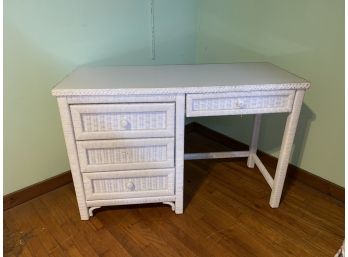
x=124 y=126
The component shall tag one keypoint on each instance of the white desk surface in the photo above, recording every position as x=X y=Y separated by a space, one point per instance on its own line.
x=172 y=79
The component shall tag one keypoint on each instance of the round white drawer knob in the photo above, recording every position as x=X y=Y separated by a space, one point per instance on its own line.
x=124 y=123
x=239 y=103
x=131 y=186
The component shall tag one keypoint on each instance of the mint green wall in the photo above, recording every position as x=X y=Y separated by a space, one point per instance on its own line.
x=305 y=37
x=46 y=40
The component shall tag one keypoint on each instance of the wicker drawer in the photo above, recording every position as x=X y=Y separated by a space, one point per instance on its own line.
x=239 y=103
x=125 y=154
x=129 y=184
x=133 y=120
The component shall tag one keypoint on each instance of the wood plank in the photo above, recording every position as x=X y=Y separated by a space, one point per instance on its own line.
x=29 y=230
x=241 y=210
x=90 y=238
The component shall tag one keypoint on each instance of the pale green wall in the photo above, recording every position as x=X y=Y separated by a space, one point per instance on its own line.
x=305 y=37
x=45 y=40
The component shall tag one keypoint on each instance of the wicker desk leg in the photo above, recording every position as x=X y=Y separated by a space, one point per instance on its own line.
x=72 y=153
x=285 y=150
x=179 y=153
x=254 y=140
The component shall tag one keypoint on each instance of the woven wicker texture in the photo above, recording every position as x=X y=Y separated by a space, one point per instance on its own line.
x=129 y=184
x=103 y=121
x=125 y=133
x=108 y=155
x=239 y=103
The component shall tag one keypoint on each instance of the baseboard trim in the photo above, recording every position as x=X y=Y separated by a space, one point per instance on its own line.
x=294 y=173
x=23 y=195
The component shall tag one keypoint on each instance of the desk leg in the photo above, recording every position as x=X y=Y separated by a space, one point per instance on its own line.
x=179 y=153
x=285 y=150
x=72 y=154
x=254 y=140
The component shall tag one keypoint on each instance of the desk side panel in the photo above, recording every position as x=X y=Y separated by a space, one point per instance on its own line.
x=179 y=153
x=72 y=154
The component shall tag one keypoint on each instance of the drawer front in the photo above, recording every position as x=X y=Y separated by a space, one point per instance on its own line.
x=125 y=154
x=133 y=120
x=239 y=103
x=128 y=184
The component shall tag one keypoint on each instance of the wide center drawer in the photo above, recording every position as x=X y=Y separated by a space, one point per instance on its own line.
x=232 y=103
x=125 y=154
x=133 y=120
x=129 y=184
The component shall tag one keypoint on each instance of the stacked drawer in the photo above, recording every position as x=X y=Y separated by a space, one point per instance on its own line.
x=125 y=150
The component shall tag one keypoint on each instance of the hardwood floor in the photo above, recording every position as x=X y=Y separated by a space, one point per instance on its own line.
x=226 y=214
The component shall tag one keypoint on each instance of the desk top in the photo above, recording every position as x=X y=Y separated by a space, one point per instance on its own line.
x=173 y=79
